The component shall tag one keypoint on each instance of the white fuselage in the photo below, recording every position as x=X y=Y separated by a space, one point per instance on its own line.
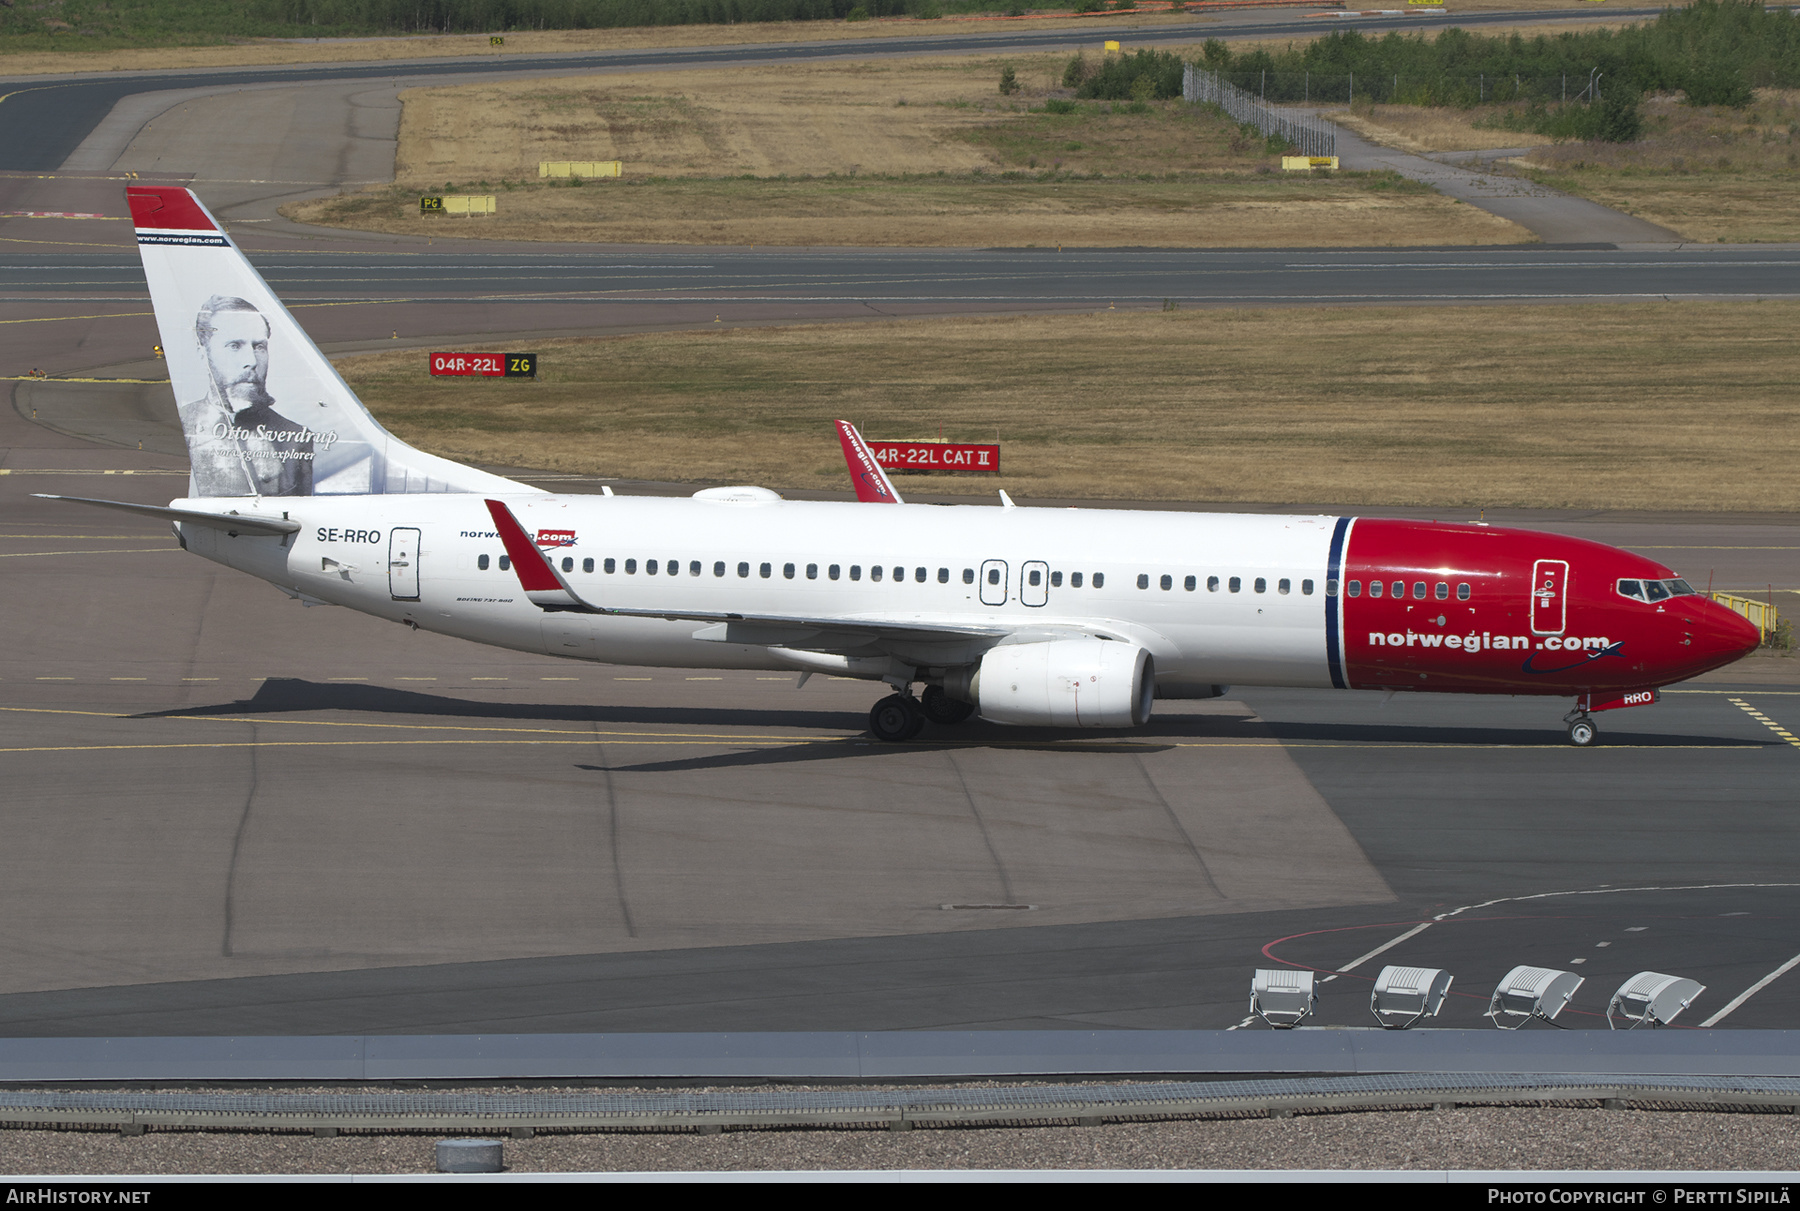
x=1063 y=570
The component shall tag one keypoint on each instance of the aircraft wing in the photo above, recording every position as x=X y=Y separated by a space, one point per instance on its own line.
x=549 y=590
x=872 y=483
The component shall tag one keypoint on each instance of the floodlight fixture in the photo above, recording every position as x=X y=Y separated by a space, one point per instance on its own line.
x=1652 y=997
x=1532 y=992
x=1282 y=997
x=1403 y=995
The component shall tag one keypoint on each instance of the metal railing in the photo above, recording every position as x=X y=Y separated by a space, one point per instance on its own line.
x=1311 y=136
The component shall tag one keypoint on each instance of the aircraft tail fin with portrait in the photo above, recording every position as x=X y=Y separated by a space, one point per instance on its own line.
x=262 y=409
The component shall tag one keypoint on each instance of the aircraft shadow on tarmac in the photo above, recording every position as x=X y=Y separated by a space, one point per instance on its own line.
x=297 y=695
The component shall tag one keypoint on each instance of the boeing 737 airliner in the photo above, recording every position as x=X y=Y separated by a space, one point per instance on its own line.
x=1049 y=617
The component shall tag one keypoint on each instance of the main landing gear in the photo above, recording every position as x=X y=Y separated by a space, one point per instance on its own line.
x=896 y=718
x=899 y=717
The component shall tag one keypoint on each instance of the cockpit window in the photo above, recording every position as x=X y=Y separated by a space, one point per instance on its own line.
x=1655 y=590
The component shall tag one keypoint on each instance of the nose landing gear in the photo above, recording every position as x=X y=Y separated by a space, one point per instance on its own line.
x=1582 y=731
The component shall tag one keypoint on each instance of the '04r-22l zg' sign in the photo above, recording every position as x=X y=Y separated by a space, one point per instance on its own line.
x=489 y=365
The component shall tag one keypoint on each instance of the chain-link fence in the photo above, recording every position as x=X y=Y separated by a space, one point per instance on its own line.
x=1317 y=88
x=1310 y=135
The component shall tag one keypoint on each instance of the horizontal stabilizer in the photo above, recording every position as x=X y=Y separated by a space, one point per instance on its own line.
x=232 y=523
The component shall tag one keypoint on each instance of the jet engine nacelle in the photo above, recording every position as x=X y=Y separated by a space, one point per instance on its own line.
x=1065 y=683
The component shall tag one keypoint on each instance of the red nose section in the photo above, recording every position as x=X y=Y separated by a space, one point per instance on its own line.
x=1724 y=635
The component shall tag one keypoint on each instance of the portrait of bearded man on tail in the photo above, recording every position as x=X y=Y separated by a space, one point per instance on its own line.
x=237 y=443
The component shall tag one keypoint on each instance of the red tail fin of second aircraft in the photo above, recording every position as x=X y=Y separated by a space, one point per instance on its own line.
x=871 y=482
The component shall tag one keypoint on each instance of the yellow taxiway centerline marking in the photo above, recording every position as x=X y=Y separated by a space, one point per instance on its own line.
x=1767 y=722
x=111 y=551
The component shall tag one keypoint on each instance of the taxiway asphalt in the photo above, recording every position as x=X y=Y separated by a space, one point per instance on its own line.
x=231 y=814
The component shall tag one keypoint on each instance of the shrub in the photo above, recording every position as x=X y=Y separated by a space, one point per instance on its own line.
x=1116 y=77
x=1009 y=81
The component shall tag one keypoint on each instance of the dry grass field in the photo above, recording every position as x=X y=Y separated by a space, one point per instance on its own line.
x=1655 y=406
x=888 y=152
x=1710 y=173
x=1420 y=128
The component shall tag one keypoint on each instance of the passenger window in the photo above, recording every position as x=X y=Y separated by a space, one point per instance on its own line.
x=875 y=573
x=1036 y=577
x=743 y=570
x=718 y=567
x=1056 y=580
x=505 y=563
x=833 y=571
x=1143 y=580
x=1262 y=586
x=568 y=564
x=1212 y=584
x=856 y=571
x=1235 y=584
x=1331 y=587
x=900 y=575
x=609 y=566
x=1282 y=586
x=1462 y=592
x=812 y=571
x=1074 y=580
x=1418 y=590
x=1190 y=584
x=694 y=568
x=587 y=565
x=631 y=567
x=766 y=571
x=1099 y=580
x=943 y=575
x=1167 y=582
x=787 y=571
x=649 y=567
x=1399 y=588
x=1376 y=588
x=968 y=575
x=1306 y=588
x=1442 y=591
x=481 y=562
x=918 y=575
x=993 y=575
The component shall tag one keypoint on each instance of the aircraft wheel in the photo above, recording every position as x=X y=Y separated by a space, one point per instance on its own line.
x=895 y=718
x=1582 y=733
x=941 y=708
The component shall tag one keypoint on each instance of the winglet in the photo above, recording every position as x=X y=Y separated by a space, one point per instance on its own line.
x=542 y=583
x=871 y=482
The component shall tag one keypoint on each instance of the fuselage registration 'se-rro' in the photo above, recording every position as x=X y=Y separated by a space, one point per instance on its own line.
x=1048 y=617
